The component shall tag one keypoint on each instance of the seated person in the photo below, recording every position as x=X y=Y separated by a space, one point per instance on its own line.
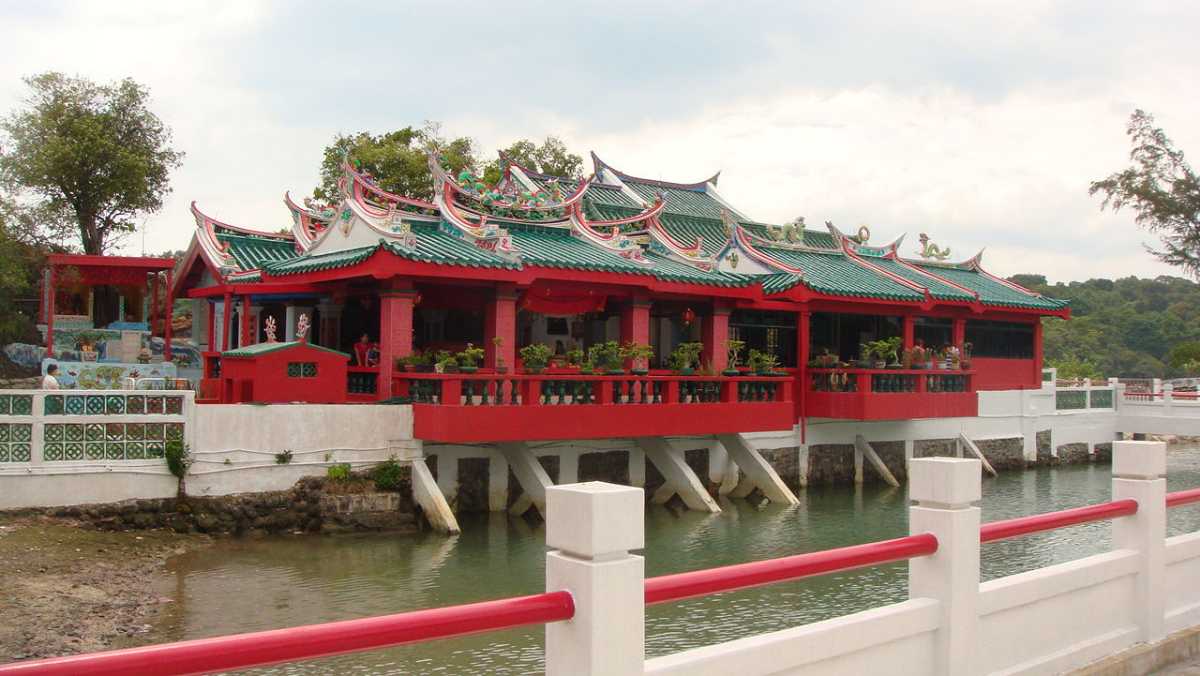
x=363 y=349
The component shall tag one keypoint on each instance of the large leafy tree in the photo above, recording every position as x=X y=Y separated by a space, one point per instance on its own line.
x=398 y=160
x=93 y=152
x=1161 y=188
x=551 y=157
x=23 y=245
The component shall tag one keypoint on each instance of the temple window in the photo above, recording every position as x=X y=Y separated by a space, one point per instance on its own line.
x=1000 y=340
x=933 y=331
x=771 y=332
x=842 y=333
x=302 y=369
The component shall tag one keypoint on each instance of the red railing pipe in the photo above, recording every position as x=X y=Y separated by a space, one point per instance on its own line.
x=1181 y=498
x=667 y=588
x=1009 y=528
x=241 y=651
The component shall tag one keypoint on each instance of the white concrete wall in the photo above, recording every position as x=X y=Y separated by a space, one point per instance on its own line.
x=1183 y=582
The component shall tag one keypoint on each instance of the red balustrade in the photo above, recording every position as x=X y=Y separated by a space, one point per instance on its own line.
x=890 y=394
x=1181 y=498
x=1010 y=528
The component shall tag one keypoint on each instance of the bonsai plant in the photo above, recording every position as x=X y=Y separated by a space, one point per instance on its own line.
x=607 y=357
x=497 y=343
x=885 y=350
x=575 y=357
x=966 y=356
x=468 y=360
x=535 y=357
x=734 y=349
x=446 y=362
x=639 y=356
x=685 y=357
x=864 y=356
x=762 y=363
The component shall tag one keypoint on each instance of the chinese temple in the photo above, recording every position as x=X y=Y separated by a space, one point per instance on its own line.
x=837 y=326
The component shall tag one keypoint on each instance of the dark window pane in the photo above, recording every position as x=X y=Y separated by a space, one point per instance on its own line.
x=1001 y=340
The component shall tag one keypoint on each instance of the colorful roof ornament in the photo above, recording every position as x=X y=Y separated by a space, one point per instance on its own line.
x=930 y=250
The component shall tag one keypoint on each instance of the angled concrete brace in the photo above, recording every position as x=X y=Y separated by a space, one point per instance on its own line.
x=963 y=440
x=757 y=469
x=427 y=494
x=680 y=477
x=861 y=445
x=530 y=474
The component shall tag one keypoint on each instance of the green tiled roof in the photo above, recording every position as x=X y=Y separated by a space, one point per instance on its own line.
x=553 y=248
x=329 y=261
x=251 y=253
x=435 y=245
x=611 y=196
x=779 y=282
x=679 y=200
x=597 y=211
x=938 y=290
x=265 y=348
x=834 y=273
x=685 y=229
x=992 y=292
x=670 y=270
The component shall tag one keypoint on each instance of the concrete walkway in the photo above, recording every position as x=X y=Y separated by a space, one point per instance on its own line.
x=1189 y=668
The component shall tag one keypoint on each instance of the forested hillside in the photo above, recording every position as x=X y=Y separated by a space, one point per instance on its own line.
x=1126 y=327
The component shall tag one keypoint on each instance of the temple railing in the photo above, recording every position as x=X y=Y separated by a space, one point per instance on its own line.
x=880 y=394
x=543 y=406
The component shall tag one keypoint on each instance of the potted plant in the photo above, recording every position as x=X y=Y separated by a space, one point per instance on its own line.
x=685 y=357
x=444 y=362
x=966 y=356
x=468 y=360
x=762 y=363
x=575 y=357
x=607 y=357
x=734 y=349
x=497 y=343
x=639 y=356
x=535 y=357
x=864 y=356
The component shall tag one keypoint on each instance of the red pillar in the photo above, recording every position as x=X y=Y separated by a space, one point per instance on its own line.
x=226 y=320
x=244 y=315
x=500 y=320
x=1037 y=353
x=803 y=356
x=212 y=326
x=153 y=318
x=715 y=334
x=50 y=315
x=960 y=332
x=909 y=321
x=167 y=317
x=395 y=334
x=635 y=323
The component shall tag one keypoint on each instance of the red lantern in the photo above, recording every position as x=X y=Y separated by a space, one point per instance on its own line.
x=688 y=317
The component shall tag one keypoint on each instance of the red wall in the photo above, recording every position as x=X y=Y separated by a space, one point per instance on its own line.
x=1006 y=374
x=264 y=378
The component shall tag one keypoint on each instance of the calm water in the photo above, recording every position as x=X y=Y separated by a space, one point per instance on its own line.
x=244 y=585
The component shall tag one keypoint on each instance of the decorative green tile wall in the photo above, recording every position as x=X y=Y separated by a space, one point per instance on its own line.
x=15 y=441
x=108 y=441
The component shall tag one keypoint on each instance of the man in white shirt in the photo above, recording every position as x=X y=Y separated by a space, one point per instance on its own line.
x=49 y=382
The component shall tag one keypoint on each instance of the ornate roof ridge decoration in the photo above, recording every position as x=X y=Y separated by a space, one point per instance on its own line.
x=364 y=184
x=389 y=223
x=307 y=223
x=895 y=257
x=666 y=243
x=741 y=240
x=215 y=252
x=699 y=186
x=854 y=248
x=486 y=236
x=791 y=239
x=616 y=242
x=491 y=199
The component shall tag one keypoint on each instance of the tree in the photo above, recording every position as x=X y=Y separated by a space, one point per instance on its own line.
x=1162 y=189
x=551 y=157
x=398 y=160
x=21 y=261
x=94 y=151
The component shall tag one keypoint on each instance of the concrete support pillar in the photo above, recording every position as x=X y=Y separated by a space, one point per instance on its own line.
x=908 y=453
x=757 y=469
x=591 y=528
x=635 y=323
x=1138 y=469
x=943 y=490
x=395 y=334
x=637 y=467
x=447 y=478
x=500 y=321
x=680 y=479
x=530 y=474
x=568 y=468
x=802 y=463
x=715 y=334
x=330 y=331
x=427 y=494
x=497 y=483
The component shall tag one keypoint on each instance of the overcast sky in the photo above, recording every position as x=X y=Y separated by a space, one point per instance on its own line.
x=979 y=123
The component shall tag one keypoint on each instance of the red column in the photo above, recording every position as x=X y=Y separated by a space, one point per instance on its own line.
x=635 y=323
x=395 y=334
x=908 y=331
x=168 y=316
x=1037 y=353
x=715 y=332
x=153 y=318
x=246 y=338
x=212 y=326
x=226 y=320
x=50 y=315
x=803 y=356
x=960 y=332
x=500 y=320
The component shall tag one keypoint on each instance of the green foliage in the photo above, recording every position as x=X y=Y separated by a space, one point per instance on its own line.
x=637 y=353
x=686 y=356
x=734 y=349
x=21 y=262
x=388 y=475
x=551 y=157
x=762 y=362
x=93 y=153
x=535 y=356
x=606 y=356
x=179 y=458
x=1074 y=369
x=1161 y=188
x=283 y=458
x=398 y=159
x=339 y=472
x=471 y=356
x=1125 y=327
x=886 y=349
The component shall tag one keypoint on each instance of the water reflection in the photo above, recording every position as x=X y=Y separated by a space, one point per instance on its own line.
x=251 y=585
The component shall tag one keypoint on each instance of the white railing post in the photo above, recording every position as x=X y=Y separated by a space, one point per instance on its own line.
x=1168 y=395
x=1138 y=469
x=592 y=527
x=943 y=489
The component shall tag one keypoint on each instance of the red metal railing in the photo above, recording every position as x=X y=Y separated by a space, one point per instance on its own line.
x=1181 y=498
x=680 y=586
x=308 y=642
x=1009 y=528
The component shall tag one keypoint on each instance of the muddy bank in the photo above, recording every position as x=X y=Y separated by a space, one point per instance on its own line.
x=69 y=589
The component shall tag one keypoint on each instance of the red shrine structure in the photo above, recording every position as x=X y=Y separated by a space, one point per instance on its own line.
x=836 y=326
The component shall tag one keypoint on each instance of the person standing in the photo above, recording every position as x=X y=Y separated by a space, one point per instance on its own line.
x=49 y=382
